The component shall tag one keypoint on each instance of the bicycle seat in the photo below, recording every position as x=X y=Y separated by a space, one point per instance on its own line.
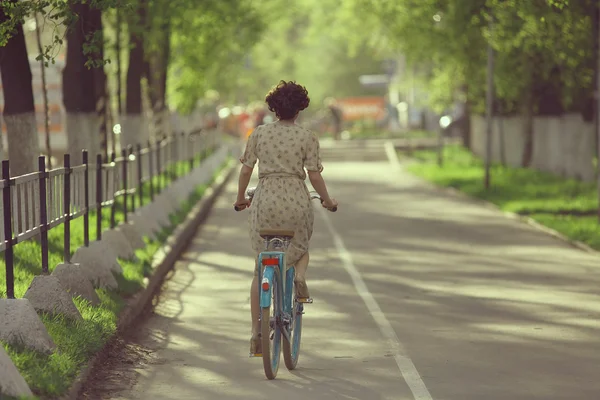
x=283 y=233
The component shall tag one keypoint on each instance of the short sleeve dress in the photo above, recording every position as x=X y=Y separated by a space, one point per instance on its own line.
x=282 y=200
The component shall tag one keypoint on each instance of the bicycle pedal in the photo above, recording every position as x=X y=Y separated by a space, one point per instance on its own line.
x=252 y=355
x=305 y=300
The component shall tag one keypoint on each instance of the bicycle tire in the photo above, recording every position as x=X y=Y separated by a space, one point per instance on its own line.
x=271 y=361
x=291 y=348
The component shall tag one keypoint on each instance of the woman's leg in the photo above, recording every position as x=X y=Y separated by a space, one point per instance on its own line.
x=301 y=267
x=300 y=279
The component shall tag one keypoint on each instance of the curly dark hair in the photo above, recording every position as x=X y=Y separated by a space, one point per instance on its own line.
x=287 y=99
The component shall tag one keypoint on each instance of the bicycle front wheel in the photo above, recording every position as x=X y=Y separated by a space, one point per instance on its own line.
x=271 y=331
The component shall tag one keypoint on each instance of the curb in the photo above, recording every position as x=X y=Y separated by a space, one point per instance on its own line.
x=163 y=262
x=521 y=218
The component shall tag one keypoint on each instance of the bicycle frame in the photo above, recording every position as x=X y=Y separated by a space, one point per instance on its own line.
x=287 y=312
x=282 y=317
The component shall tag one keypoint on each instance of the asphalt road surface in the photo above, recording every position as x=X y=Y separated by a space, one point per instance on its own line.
x=418 y=294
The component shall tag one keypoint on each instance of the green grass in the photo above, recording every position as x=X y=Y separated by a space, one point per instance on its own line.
x=52 y=375
x=565 y=205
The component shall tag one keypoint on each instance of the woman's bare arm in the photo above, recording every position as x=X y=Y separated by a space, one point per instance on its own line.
x=243 y=181
x=317 y=181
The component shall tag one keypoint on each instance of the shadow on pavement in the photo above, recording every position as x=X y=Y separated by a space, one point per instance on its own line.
x=486 y=307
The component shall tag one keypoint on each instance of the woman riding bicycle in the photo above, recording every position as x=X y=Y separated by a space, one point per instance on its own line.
x=282 y=200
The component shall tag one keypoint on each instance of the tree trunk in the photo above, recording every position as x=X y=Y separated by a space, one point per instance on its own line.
x=100 y=81
x=119 y=27
x=465 y=126
x=548 y=94
x=585 y=99
x=158 y=66
x=134 y=129
x=45 y=95
x=164 y=70
x=501 y=137
x=19 y=107
x=527 y=112
x=79 y=89
x=116 y=118
x=590 y=109
x=148 y=90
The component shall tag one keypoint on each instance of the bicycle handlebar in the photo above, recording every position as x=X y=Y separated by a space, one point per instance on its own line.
x=313 y=195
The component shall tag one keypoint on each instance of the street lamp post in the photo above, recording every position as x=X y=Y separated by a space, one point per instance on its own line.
x=444 y=123
x=489 y=109
x=596 y=20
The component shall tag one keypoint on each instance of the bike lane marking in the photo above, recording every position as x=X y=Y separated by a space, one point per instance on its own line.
x=405 y=364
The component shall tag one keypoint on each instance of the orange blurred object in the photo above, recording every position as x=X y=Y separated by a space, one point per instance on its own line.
x=356 y=108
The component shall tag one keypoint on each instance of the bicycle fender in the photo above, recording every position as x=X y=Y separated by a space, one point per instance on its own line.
x=265 y=295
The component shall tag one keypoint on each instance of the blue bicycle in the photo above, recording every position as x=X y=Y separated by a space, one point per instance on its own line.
x=280 y=309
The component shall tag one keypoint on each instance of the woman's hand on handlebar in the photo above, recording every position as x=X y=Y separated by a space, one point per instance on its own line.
x=330 y=204
x=241 y=204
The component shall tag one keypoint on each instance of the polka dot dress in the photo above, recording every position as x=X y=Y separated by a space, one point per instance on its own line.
x=281 y=200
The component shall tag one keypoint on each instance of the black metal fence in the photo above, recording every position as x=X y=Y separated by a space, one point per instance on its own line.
x=34 y=203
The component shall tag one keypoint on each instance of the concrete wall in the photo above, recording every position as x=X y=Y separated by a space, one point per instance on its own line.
x=563 y=145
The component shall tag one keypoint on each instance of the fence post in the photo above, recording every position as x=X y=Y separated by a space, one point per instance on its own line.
x=67 y=207
x=43 y=175
x=198 y=140
x=204 y=144
x=151 y=169
x=113 y=206
x=162 y=171
x=124 y=178
x=191 y=140
x=99 y=197
x=130 y=168
x=177 y=153
x=181 y=153
x=158 y=168
x=170 y=164
x=8 y=252
x=167 y=161
x=140 y=175
x=86 y=199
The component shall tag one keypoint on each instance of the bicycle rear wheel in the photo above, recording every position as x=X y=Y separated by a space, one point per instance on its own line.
x=291 y=348
x=271 y=331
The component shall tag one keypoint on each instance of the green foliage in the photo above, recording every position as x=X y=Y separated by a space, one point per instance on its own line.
x=309 y=42
x=541 y=36
x=209 y=42
x=240 y=48
x=446 y=41
x=566 y=205
x=58 y=14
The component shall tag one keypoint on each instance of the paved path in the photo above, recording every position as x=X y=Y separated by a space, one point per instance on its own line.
x=418 y=295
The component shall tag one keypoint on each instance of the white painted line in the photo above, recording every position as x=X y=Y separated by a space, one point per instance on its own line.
x=405 y=364
x=392 y=155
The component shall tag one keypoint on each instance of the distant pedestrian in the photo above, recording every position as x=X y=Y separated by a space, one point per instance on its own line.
x=337 y=116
